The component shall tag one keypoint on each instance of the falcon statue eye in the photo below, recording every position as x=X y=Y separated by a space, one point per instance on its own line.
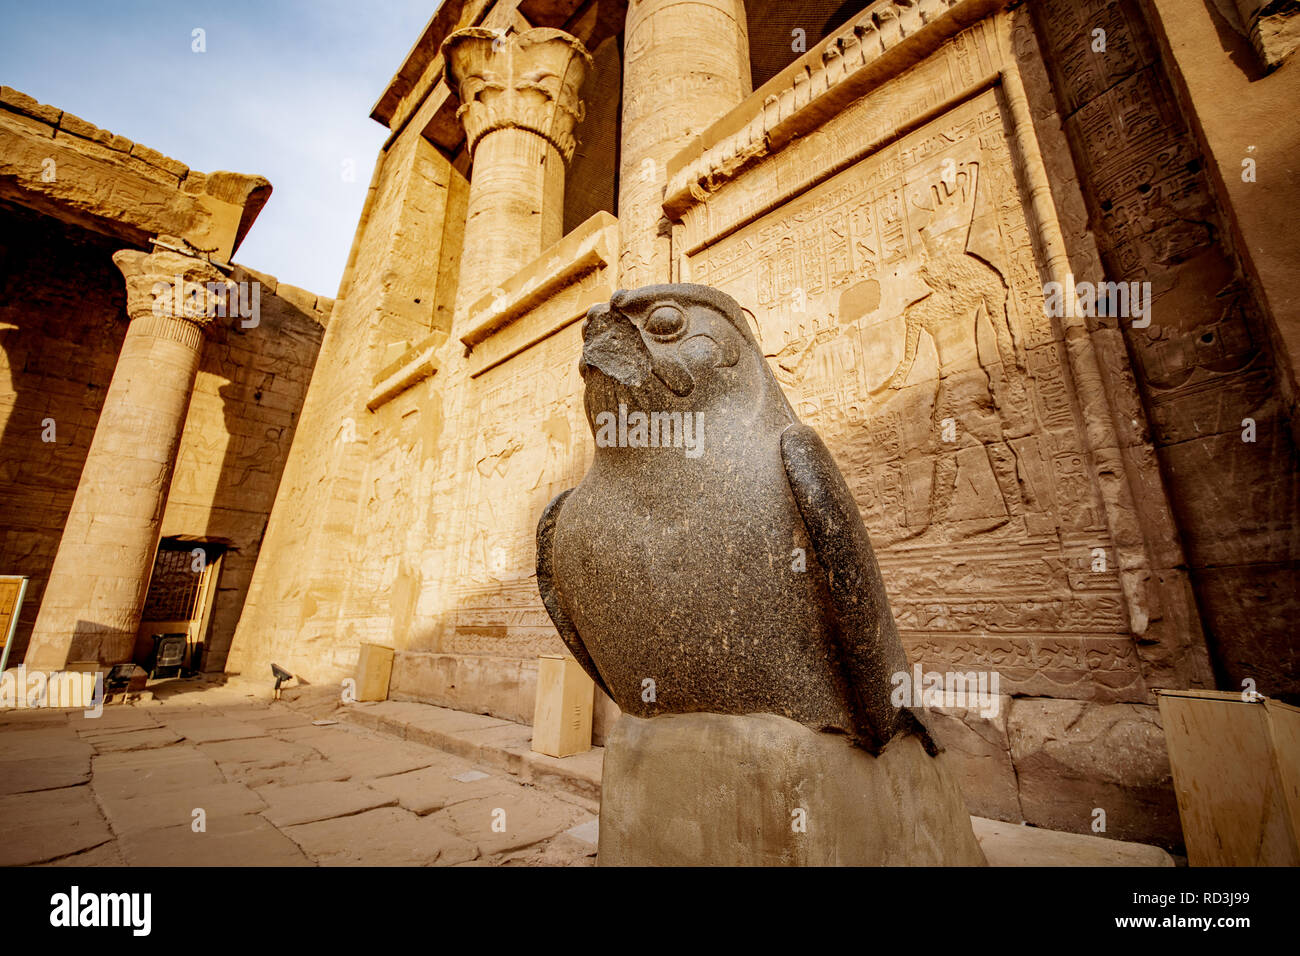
x=665 y=321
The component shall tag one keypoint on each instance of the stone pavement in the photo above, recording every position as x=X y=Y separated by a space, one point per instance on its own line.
x=310 y=780
x=220 y=775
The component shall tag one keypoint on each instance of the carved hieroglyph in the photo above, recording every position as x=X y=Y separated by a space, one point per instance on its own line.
x=901 y=306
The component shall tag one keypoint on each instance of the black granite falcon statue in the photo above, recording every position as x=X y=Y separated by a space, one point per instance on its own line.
x=713 y=559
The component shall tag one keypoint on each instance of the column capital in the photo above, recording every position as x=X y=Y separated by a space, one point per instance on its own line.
x=165 y=284
x=528 y=80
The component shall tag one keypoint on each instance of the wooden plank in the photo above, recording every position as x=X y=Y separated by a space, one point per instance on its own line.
x=1231 y=797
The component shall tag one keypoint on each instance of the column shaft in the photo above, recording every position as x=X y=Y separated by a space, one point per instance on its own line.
x=96 y=591
x=515 y=208
x=685 y=64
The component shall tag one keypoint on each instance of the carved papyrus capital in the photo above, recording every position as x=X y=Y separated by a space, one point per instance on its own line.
x=529 y=80
x=165 y=285
x=1273 y=27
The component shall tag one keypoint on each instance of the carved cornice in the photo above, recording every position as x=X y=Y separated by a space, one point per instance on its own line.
x=880 y=42
x=529 y=80
x=165 y=287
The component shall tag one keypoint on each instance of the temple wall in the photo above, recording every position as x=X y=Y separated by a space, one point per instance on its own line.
x=1042 y=490
x=321 y=595
x=241 y=424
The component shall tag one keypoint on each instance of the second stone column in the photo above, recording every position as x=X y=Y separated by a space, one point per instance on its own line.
x=96 y=591
x=520 y=103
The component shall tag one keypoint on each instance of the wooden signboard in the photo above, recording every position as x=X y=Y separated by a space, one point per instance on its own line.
x=374 y=670
x=562 y=717
x=13 y=588
x=1236 y=769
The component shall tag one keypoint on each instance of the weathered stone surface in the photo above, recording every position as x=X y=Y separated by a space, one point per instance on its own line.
x=978 y=752
x=24 y=775
x=106 y=854
x=112 y=186
x=246 y=840
x=112 y=719
x=144 y=739
x=211 y=729
x=762 y=790
x=387 y=837
x=165 y=769
x=517 y=818
x=42 y=742
x=1009 y=844
x=49 y=825
x=356 y=752
x=1073 y=758
x=259 y=761
x=309 y=802
x=430 y=789
x=22 y=103
x=151 y=811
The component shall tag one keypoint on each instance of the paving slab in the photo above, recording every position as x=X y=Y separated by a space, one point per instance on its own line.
x=494 y=744
x=146 y=739
x=151 y=811
x=385 y=837
x=278 y=718
x=316 y=770
x=106 y=854
x=432 y=788
x=43 y=773
x=42 y=742
x=50 y=824
x=133 y=772
x=253 y=750
x=245 y=840
x=368 y=755
x=562 y=851
x=309 y=802
x=208 y=729
x=112 y=718
x=530 y=817
x=32 y=718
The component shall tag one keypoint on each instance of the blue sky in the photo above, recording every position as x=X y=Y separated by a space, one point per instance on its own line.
x=284 y=90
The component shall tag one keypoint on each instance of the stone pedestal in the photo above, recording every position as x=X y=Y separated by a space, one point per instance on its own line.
x=762 y=790
x=97 y=586
x=674 y=87
x=519 y=106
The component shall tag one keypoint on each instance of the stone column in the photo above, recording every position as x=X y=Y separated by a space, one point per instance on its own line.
x=96 y=591
x=519 y=106
x=685 y=64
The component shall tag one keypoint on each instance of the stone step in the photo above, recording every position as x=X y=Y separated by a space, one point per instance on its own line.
x=504 y=745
